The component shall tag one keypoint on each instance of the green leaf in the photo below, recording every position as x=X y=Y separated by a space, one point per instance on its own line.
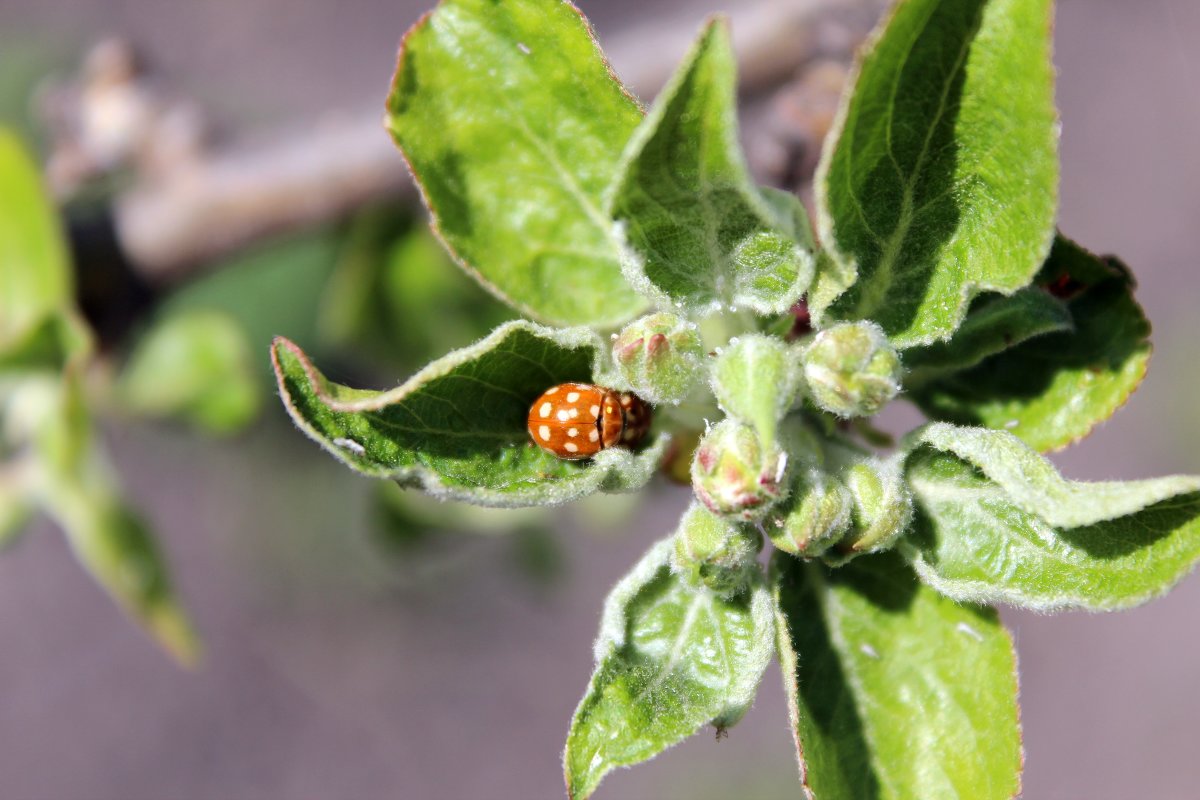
x=670 y=659
x=513 y=124
x=47 y=346
x=457 y=428
x=755 y=380
x=110 y=541
x=396 y=296
x=940 y=177
x=35 y=281
x=1055 y=389
x=994 y=324
x=195 y=366
x=894 y=691
x=997 y=523
x=699 y=232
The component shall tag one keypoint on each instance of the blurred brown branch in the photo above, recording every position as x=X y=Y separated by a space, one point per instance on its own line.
x=190 y=203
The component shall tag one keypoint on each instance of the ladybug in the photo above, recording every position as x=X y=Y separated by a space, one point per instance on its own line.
x=578 y=420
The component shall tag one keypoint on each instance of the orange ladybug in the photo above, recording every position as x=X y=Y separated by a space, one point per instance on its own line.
x=578 y=420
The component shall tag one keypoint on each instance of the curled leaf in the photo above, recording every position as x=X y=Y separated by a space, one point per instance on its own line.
x=997 y=523
x=457 y=429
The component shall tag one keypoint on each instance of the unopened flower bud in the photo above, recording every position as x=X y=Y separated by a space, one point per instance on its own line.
x=755 y=380
x=815 y=516
x=712 y=552
x=735 y=474
x=852 y=370
x=660 y=356
x=882 y=506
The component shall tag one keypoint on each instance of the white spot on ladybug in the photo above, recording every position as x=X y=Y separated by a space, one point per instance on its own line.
x=572 y=397
x=544 y=432
x=594 y=436
x=572 y=432
x=625 y=401
x=545 y=410
x=574 y=413
x=564 y=415
x=608 y=409
x=552 y=391
x=595 y=411
x=571 y=447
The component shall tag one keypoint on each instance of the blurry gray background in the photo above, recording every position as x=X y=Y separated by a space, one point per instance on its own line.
x=334 y=672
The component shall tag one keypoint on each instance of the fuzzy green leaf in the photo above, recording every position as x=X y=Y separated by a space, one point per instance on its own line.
x=1055 y=389
x=457 y=429
x=997 y=523
x=513 y=124
x=699 y=231
x=940 y=178
x=670 y=658
x=893 y=690
x=35 y=281
x=994 y=324
x=195 y=366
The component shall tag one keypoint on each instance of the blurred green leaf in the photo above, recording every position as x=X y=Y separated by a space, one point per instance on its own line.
x=457 y=429
x=48 y=345
x=513 y=124
x=671 y=657
x=35 y=279
x=1053 y=390
x=396 y=295
x=894 y=692
x=940 y=176
x=79 y=493
x=195 y=366
x=700 y=232
x=272 y=290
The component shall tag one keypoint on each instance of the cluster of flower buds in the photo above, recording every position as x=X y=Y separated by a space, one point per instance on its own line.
x=767 y=470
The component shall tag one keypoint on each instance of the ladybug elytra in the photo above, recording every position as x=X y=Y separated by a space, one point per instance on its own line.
x=578 y=420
